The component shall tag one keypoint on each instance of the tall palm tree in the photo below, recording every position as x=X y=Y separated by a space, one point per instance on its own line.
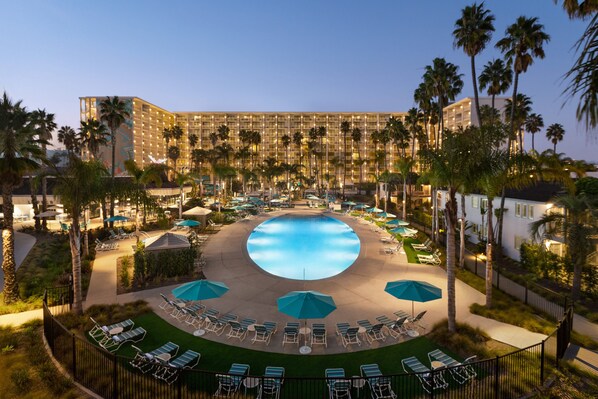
x=44 y=126
x=577 y=224
x=243 y=154
x=356 y=137
x=20 y=150
x=79 y=186
x=497 y=77
x=93 y=135
x=404 y=166
x=198 y=157
x=113 y=112
x=345 y=130
x=523 y=41
x=140 y=178
x=533 y=124
x=286 y=143
x=174 y=153
x=69 y=138
x=522 y=108
x=423 y=98
x=298 y=142
x=192 y=139
x=555 y=134
x=181 y=179
x=445 y=83
x=582 y=76
x=320 y=134
x=167 y=135
x=472 y=32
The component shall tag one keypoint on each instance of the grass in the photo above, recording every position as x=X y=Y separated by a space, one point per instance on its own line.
x=27 y=371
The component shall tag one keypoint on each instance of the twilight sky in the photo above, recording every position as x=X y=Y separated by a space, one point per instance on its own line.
x=266 y=55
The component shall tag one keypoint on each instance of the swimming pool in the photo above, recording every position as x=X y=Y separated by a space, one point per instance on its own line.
x=303 y=247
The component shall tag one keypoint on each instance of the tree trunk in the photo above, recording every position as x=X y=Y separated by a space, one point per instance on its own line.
x=462 y=233
x=344 y=165
x=44 y=202
x=451 y=221
x=85 y=243
x=75 y=242
x=103 y=205
x=434 y=216
x=490 y=239
x=11 y=286
x=113 y=170
x=404 y=199
x=35 y=205
x=475 y=91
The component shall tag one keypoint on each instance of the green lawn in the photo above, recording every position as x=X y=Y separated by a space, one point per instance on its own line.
x=218 y=357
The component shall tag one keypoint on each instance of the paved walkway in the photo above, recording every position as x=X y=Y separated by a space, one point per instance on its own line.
x=23 y=244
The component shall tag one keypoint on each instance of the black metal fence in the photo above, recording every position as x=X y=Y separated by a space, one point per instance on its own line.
x=112 y=376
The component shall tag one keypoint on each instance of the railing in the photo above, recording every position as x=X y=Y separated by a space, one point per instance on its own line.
x=111 y=376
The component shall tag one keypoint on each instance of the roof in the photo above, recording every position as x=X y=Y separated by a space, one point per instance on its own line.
x=541 y=192
x=166 y=241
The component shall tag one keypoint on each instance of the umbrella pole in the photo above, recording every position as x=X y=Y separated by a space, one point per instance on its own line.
x=412 y=309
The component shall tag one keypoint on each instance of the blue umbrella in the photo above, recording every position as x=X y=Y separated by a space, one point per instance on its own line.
x=361 y=206
x=402 y=230
x=306 y=305
x=188 y=223
x=116 y=218
x=374 y=210
x=412 y=290
x=397 y=222
x=350 y=203
x=198 y=290
x=386 y=215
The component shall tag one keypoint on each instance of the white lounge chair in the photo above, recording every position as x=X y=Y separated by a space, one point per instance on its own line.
x=461 y=372
x=413 y=365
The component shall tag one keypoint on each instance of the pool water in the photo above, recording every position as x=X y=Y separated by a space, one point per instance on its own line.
x=303 y=247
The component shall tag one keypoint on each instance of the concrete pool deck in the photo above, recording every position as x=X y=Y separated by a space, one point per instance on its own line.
x=358 y=291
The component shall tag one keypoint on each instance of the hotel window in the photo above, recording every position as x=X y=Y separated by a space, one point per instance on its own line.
x=475 y=201
x=531 y=212
x=518 y=210
x=484 y=203
x=524 y=210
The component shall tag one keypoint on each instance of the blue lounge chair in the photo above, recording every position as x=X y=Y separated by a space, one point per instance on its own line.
x=380 y=386
x=169 y=371
x=429 y=380
x=271 y=384
x=229 y=383
x=100 y=333
x=338 y=386
x=147 y=361
x=461 y=372
x=118 y=340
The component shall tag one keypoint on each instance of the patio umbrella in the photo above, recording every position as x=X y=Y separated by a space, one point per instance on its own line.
x=397 y=222
x=188 y=223
x=350 y=203
x=361 y=206
x=386 y=215
x=402 y=230
x=116 y=218
x=198 y=290
x=374 y=210
x=306 y=305
x=413 y=290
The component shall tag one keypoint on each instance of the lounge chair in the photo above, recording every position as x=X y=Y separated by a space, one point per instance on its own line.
x=428 y=259
x=422 y=247
x=271 y=326
x=380 y=386
x=218 y=325
x=99 y=332
x=291 y=334
x=415 y=321
x=229 y=383
x=114 y=236
x=239 y=330
x=169 y=371
x=461 y=372
x=394 y=327
x=372 y=332
x=318 y=334
x=124 y=234
x=338 y=386
x=429 y=380
x=213 y=225
x=147 y=361
x=271 y=383
x=262 y=334
x=116 y=341
x=193 y=313
x=342 y=328
x=350 y=337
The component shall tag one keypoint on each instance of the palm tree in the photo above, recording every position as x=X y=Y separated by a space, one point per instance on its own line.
x=19 y=150
x=446 y=169
x=524 y=40
x=345 y=130
x=198 y=157
x=320 y=134
x=404 y=166
x=44 y=126
x=243 y=154
x=423 y=98
x=356 y=137
x=472 y=32
x=523 y=107
x=181 y=179
x=577 y=224
x=177 y=133
x=167 y=135
x=192 y=139
x=444 y=83
x=286 y=143
x=174 y=154
x=141 y=177
x=223 y=132
x=582 y=76
x=497 y=77
x=555 y=133
x=69 y=138
x=92 y=135
x=79 y=186
x=533 y=124
x=298 y=141
x=113 y=112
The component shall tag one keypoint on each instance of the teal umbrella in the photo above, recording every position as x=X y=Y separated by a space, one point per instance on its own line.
x=198 y=290
x=361 y=206
x=350 y=203
x=306 y=305
x=386 y=215
x=402 y=230
x=397 y=222
x=188 y=223
x=374 y=210
x=412 y=290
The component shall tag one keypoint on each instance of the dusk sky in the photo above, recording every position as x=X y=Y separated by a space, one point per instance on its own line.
x=266 y=55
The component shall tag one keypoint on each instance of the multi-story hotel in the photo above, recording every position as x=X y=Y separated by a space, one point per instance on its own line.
x=140 y=137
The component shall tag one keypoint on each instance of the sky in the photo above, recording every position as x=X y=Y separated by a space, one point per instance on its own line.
x=324 y=55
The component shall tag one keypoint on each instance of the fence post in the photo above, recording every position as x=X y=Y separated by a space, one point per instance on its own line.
x=114 y=378
x=496 y=379
x=180 y=384
x=542 y=364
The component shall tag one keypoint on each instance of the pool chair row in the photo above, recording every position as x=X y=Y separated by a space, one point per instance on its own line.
x=121 y=234
x=433 y=377
x=433 y=259
x=268 y=386
x=163 y=362
x=105 y=246
x=112 y=337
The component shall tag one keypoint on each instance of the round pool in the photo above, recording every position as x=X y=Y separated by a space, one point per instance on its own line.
x=303 y=247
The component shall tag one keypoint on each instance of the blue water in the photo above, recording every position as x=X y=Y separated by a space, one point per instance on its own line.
x=309 y=247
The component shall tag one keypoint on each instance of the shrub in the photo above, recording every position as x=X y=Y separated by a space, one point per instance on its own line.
x=125 y=265
x=21 y=379
x=154 y=266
